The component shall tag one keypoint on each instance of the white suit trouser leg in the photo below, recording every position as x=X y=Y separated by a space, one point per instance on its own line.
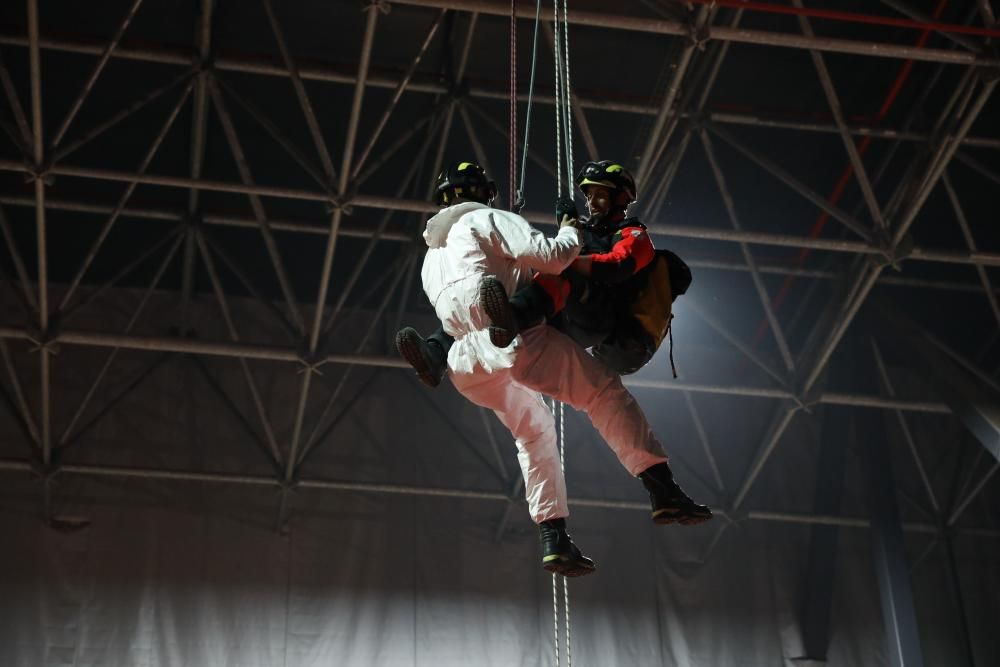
x=531 y=423
x=550 y=363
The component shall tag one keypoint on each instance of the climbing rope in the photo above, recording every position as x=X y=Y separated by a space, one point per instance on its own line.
x=513 y=107
x=564 y=142
x=519 y=201
x=564 y=129
x=516 y=193
x=566 y=100
x=556 y=579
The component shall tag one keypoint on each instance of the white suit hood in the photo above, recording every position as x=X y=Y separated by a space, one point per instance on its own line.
x=467 y=242
x=436 y=232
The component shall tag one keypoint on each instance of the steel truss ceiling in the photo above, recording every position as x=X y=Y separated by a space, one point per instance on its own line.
x=348 y=165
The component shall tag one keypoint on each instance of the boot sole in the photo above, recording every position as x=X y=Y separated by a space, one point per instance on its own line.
x=568 y=568
x=665 y=517
x=494 y=301
x=409 y=349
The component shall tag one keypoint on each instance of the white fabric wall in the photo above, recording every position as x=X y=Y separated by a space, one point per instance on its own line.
x=195 y=575
x=374 y=580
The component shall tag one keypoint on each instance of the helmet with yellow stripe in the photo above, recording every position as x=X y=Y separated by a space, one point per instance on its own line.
x=607 y=174
x=465 y=181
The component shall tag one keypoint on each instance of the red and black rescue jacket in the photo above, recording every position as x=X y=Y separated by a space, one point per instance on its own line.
x=630 y=280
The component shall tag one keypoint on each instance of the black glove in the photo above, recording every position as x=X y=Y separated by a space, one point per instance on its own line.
x=565 y=206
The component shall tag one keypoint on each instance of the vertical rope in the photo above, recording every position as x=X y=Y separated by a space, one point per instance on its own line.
x=519 y=203
x=569 y=656
x=556 y=51
x=555 y=613
x=562 y=467
x=512 y=175
x=567 y=99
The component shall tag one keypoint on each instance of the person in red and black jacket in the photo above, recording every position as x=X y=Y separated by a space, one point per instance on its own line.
x=616 y=296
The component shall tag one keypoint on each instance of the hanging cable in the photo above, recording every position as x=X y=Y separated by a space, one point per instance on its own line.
x=566 y=99
x=519 y=202
x=562 y=466
x=557 y=56
x=564 y=141
x=555 y=614
x=512 y=171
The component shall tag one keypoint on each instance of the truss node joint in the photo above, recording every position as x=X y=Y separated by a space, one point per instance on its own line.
x=806 y=401
x=457 y=90
x=193 y=221
x=45 y=472
x=891 y=255
x=47 y=340
x=383 y=6
x=734 y=515
x=341 y=202
x=310 y=362
x=41 y=173
x=177 y=332
x=699 y=33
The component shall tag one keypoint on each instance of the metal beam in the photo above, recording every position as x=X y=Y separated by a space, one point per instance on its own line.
x=38 y=157
x=258 y=401
x=294 y=355
x=789 y=180
x=904 y=426
x=833 y=101
x=200 y=61
x=300 y=92
x=153 y=284
x=975 y=402
x=646 y=160
x=9 y=465
x=62 y=153
x=404 y=82
x=331 y=74
x=23 y=409
x=331 y=244
x=246 y=176
x=963 y=224
x=643 y=24
x=423 y=206
x=15 y=104
x=92 y=79
x=898 y=611
x=15 y=256
x=821 y=568
x=758 y=282
x=670 y=172
x=276 y=133
x=123 y=200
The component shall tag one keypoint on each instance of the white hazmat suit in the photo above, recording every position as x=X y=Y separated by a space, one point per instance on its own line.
x=469 y=241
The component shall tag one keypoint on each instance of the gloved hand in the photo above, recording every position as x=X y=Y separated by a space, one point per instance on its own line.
x=565 y=207
x=569 y=222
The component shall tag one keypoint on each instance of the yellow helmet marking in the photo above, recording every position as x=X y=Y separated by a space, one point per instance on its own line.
x=464 y=166
x=614 y=168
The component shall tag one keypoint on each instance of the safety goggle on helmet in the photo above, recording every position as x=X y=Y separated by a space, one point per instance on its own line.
x=607 y=174
x=466 y=180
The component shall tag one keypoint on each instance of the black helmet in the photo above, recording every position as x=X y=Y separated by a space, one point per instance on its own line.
x=607 y=174
x=464 y=179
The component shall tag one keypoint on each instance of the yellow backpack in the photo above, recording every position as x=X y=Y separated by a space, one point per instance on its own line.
x=661 y=281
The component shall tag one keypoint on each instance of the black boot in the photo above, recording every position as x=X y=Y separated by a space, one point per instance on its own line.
x=670 y=503
x=494 y=302
x=559 y=554
x=426 y=356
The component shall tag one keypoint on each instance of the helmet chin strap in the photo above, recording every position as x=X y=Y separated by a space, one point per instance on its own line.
x=603 y=224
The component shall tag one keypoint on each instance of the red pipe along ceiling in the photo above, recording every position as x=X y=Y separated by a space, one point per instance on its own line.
x=853 y=17
x=845 y=176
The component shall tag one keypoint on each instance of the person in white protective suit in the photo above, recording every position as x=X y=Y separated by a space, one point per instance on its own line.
x=468 y=241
